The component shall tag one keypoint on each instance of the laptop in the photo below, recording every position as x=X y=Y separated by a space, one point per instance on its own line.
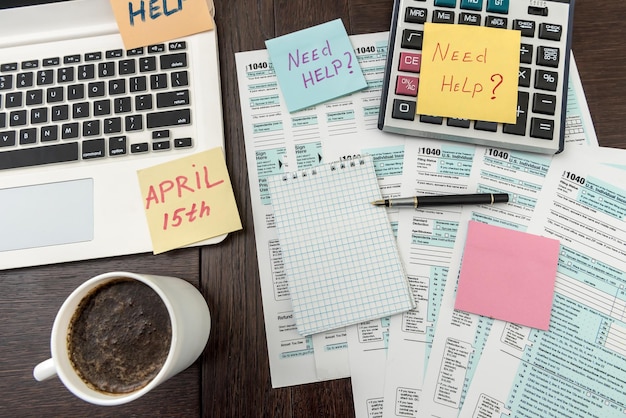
x=79 y=115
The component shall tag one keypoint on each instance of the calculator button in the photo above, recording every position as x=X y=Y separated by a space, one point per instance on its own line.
x=497 y=22
x=524 y=77
x=403 y=109
x=443 y=16
x=482 y=125
x=410 y=62
x=470 y=19
x=415 y=15
x=526 y=54
x=436 y=120
x=544 y=103
x=537 y=11
x=458 y=123
x=548 y=56
x=472 y=4
x=550 y=31
x=445 y=3
x=498 y=6
x=407 y=86
x=519 y=128
x=546 y=80
x=412 y=39
x=526 y=26
x=541 y=128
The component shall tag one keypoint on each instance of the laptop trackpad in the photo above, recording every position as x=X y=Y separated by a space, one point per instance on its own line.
x=46 y=214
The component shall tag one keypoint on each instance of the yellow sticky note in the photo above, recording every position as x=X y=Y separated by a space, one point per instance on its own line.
x=469 y=72
x=188 y=200
x=148 y=22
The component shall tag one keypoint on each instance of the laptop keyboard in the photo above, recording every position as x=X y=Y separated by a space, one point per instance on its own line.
x=95 y=105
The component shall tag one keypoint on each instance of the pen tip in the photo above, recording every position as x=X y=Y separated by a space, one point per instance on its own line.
x=378 y=202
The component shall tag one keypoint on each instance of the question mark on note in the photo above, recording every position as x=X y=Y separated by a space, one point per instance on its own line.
x=349 y=61
x=497 y=84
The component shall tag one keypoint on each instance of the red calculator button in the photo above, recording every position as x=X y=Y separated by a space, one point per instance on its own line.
x=407 y=86
x=410 y=61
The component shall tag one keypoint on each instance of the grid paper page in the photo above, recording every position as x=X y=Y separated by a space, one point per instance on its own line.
x=339 y=251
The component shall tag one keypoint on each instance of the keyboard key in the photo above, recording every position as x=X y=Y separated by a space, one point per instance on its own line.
x=80 y=110
x=137 y=84
x=117 y=145
x=114 y=53
x=415 y=15
x=443 y=16
x=160 y=146
x=31 y=156
x=113 y=125
x=91 y=128
x=519 y=128
x=173 y=98
x=60 y=112
x=24 y=80
x=65 y=75
x=496 y=22
x=550 y=31
x=138 y=148
x=527 y=27
x=160 y=134
x=54 y=94
x=179 y=79
x=183 y=143
x=541 y=128
x=412 y=39
x=472 y=4
x=86 y=72
x=158 y=81
x=546 y=80
x=168 y=118
x=127 y=67
x=143 y=102
x=69 y=130
x=498 y=6
x=51 y=62
x=147 y=64
x=12 y=100
x=49 y=133
x=102 y=107
x=403 y=109
x=93 y=148
x=29 y=65
x=7 y=139
x=134 y=52
x=12 y=66
x=76 y=92
x=6 y=82
x=93 y=56
x=34 y=97
x=95 y=89
x=172 y=61
x=39 y=115
x=133 y=123
x=177 y=46
x=106 y=69
x=45 y=77
x=28 y=136
x=544 y=103
x=548 y=56
x=71 y=59
x=155 y=49
x=117 y=87
x=17 y=118
x=122 y=105
x=3 y=120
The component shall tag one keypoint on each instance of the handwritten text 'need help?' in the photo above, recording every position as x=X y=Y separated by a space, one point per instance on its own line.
x=147 y=22
x=315 y=65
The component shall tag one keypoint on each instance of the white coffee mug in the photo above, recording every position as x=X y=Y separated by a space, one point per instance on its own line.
x=190 y=323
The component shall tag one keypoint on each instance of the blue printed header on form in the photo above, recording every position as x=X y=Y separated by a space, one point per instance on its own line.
x=315 y=65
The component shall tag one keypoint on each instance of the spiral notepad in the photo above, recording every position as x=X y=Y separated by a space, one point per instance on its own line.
x=339 y=251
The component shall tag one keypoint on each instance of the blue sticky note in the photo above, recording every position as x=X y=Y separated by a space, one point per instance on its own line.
x=315 y=65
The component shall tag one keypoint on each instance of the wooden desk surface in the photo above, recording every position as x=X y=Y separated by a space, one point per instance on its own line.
x=232 y=377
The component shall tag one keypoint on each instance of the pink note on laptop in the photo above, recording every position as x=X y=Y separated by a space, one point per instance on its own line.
x=508 y=275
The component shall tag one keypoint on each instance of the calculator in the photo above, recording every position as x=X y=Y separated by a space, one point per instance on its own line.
x=546 y=30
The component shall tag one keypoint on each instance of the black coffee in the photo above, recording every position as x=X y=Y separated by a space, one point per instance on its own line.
x=120 y=336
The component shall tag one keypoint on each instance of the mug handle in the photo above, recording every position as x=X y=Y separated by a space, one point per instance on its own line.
x=44 y=370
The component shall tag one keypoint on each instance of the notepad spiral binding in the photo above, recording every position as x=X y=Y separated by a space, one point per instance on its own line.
x=333 y=167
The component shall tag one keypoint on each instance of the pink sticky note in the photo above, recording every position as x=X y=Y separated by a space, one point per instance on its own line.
x=508 y=275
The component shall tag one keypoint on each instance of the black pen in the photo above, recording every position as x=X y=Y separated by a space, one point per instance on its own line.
x=454 y=199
